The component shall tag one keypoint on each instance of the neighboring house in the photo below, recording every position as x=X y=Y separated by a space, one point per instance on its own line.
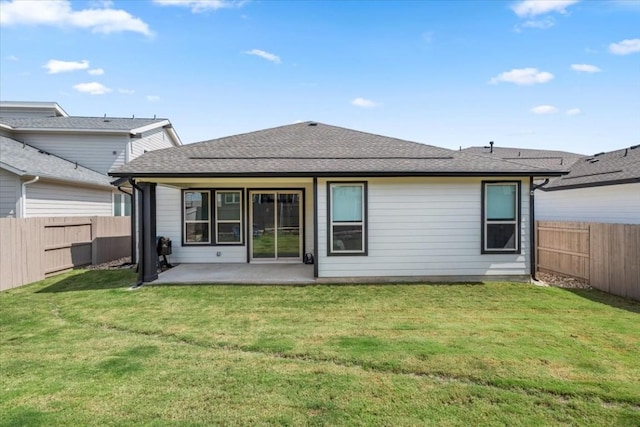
x=366 y=206
x=604 y=187
x=42 y=185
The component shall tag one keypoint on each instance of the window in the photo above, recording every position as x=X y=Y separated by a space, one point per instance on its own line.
x=197 y=224
x=121 y=204
x=347 y=218
x=213 y=217
x=500 y=217
x=228 y=217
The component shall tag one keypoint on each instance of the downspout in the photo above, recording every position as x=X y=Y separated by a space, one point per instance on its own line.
x=532 y=223
x=23 y=205
x=140 y=232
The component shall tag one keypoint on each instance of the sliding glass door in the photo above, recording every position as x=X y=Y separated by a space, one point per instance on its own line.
x=275 y=225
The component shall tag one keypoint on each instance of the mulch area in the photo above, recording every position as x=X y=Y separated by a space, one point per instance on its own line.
x=116 y=264
x=561 y=281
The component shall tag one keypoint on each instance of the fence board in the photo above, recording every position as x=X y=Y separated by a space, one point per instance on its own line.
x=607 y=256
x=34 y=248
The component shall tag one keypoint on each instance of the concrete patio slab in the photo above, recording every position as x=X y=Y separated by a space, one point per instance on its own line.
x=257 y=274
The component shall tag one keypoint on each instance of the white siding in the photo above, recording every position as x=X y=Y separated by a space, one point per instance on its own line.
x=49 y=199
x=92 y=151
x=9 y=194
x=611 y=204
x=169 y=221
x=423 y=227
x=155 y=139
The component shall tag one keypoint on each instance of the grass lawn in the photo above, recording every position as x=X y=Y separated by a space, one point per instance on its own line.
x=79 y=349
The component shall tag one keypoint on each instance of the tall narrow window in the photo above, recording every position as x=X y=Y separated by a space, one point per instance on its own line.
x=347 y=218
x=228 y=217
x=197 y=223
x=121 y=204
x=500 y=217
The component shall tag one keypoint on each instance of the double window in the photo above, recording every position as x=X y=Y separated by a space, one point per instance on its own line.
x=212 y=217
x=501 y=217
x=347 y=218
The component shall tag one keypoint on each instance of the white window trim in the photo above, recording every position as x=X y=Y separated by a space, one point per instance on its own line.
x=195 y=221
x=229 y=221
x=514 y=222
x=361 y=223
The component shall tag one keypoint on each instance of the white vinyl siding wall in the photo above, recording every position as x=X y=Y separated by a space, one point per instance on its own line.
x=48 y=199
x=10 y=193
x=611 y=204
x=169 y=220
x=155 y=139
x=93 y=151
x=423 y=227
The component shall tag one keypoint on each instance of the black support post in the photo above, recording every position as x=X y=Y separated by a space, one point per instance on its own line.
x=147 y=214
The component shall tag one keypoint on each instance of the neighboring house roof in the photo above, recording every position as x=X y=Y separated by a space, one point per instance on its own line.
x=542 y=158
x=316 y=149
x=25 y=160
x=84 y=124
x=30 y=105
x=614 y=167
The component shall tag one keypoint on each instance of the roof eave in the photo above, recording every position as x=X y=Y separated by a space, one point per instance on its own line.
x=150 y=126
x=73 y=130
x=535 y=174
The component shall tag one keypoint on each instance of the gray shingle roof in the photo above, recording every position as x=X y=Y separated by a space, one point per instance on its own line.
x=31 y=161
x=78 y=123
x=609 y=168
x=552 y=159
x=310 y=148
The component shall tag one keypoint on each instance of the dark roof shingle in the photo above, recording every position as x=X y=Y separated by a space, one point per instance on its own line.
x=31 y=161
x=609 y=168
x=312 y=148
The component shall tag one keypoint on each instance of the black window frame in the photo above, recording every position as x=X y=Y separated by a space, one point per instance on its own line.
x=365 y=219
x=213 y=232
x=518 y=220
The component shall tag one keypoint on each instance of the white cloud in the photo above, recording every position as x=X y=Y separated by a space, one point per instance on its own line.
x=96 y=71
x=540 y=7
x=365 y=103
x=625 y=47
x=93 y=88
x=265 y=55
x=523 y=76
x=153 y=98
x=544 y=109
x=126 y=91
x=59 y=13
x=540 y=24
x=573 y=112
x=198 y=6
x=55 y=66
x=585 y=68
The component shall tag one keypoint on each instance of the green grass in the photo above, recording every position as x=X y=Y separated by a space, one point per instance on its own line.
x=80 y=349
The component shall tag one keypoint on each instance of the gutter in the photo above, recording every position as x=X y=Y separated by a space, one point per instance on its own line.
x=23 y=205
x=532 y=223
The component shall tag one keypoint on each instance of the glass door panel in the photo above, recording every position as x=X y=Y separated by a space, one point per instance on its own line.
x=263 y=240
x=288 y=245
x=275 y=225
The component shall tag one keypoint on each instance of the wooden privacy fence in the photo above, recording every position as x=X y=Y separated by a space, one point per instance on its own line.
x=32 y=249
x=607 y=256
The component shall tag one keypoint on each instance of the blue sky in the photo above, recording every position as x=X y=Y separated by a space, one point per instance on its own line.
x=546 y=74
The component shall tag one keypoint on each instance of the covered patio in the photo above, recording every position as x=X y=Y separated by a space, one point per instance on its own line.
x=255 y=274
